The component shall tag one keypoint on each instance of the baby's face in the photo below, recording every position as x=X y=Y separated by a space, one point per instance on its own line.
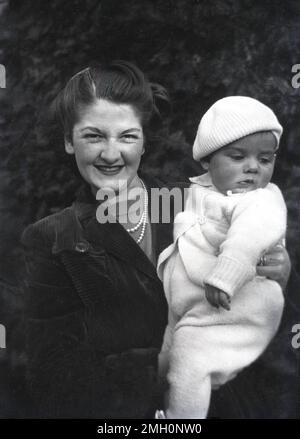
x=244 y=165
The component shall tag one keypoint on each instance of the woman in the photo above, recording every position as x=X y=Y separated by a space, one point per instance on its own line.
x=96 y=310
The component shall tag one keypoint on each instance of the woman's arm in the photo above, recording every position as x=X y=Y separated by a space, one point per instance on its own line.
x=64 y=373
x=69 y=373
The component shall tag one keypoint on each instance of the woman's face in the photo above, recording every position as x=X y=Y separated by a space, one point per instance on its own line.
x=108 y=143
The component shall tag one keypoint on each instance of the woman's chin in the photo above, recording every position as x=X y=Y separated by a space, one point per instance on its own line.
x=109 y=185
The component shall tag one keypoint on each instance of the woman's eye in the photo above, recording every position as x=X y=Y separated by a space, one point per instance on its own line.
x=130 y=138
x=93 y=137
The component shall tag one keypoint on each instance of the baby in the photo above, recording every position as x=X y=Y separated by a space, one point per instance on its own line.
x=222 y=316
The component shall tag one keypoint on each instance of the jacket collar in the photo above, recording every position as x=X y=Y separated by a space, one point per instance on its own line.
x=85 y=234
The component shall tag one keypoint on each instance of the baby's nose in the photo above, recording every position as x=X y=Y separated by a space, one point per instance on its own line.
x=251 y=165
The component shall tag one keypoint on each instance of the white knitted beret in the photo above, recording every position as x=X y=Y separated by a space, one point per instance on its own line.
x=230 y=119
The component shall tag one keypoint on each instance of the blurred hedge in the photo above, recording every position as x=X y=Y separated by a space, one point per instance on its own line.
x=199 y=50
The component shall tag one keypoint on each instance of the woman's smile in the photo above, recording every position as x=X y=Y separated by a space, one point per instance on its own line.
x=109 y=170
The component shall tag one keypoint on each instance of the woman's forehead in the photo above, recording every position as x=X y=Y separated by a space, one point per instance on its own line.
x=106 y=113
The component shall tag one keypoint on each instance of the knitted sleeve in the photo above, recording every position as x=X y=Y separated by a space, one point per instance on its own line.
x=257 y=222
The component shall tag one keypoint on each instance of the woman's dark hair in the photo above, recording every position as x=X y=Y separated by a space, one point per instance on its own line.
x=120 y=82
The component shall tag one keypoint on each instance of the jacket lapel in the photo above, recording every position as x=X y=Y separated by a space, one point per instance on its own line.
x=116 y=241
x=114 y=238
x=162 y=232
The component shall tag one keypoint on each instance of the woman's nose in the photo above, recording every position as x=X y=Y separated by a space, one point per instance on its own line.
x=111 y=152
x=251 y=165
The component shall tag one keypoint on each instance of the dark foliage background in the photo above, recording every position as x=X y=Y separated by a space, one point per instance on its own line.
x=200 y=50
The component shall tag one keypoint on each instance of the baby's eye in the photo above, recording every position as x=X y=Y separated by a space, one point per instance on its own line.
x=266 y=160
x=237 y=157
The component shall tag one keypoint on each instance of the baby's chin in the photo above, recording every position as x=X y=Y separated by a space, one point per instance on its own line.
x=243 y=190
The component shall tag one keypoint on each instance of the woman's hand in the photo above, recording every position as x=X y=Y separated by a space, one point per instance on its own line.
x=277 y=265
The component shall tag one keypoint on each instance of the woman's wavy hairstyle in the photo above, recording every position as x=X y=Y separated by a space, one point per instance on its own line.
x=120 y=82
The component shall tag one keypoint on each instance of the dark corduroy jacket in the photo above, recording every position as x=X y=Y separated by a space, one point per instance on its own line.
x=96 y=314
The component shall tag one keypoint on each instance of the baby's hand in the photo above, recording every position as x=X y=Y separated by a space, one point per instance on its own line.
x=217 y=297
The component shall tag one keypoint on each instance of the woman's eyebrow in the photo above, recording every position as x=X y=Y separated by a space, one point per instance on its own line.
x=98 y=130
x=132 y=129
x=90 y=128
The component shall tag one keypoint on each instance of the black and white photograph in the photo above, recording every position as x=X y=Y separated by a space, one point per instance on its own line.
x=150 y=211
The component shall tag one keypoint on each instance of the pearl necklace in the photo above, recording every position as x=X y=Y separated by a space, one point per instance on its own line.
x=143 y=220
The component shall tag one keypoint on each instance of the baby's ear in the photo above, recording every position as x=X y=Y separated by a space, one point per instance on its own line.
x=205 y=164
